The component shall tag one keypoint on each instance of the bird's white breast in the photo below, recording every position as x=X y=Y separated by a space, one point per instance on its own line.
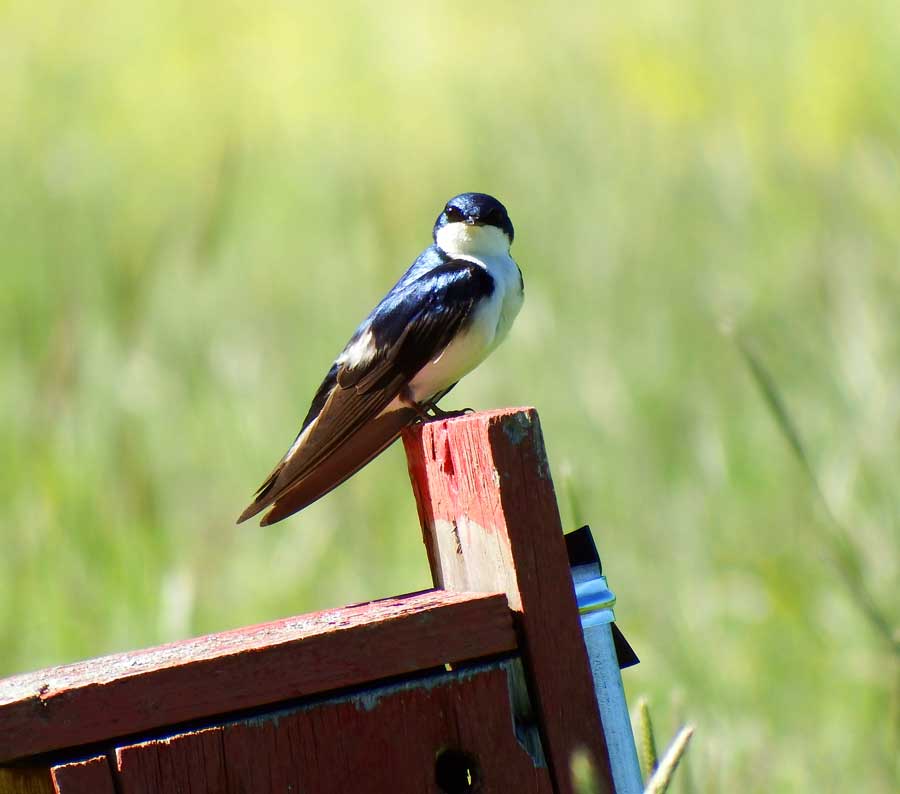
x=489 y=325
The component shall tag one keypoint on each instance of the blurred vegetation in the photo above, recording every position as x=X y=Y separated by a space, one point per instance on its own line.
x=657 y=773
x=200 y=201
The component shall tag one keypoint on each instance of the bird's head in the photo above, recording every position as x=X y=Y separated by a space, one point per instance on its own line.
x=473 y=224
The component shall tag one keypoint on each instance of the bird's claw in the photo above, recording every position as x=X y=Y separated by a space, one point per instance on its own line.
x=437 y=413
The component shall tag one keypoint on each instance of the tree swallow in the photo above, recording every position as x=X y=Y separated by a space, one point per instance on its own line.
x=452 y=307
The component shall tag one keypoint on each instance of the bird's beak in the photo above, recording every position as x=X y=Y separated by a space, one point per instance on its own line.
x=470 y=221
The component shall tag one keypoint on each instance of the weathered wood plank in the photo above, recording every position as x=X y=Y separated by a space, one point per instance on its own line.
x=490 y=522
x=187 y=762
x=26 y=780
x=382 y=741
x=91 y=776
x=118 y=695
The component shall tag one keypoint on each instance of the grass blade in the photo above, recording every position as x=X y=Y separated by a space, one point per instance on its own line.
x=844 y=555
x=646 y=740
x=661 y=778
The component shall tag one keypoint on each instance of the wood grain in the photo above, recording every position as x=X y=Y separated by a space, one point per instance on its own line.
x=490 y=522
x=26 y=780
x=382 y=741
x=104 y=698
x=91 y=776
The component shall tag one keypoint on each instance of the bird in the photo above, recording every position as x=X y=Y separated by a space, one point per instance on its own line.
x=445 y=315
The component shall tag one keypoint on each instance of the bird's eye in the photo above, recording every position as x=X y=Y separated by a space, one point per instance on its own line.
x=453 y=213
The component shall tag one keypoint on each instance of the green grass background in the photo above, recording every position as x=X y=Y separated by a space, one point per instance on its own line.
x=200 y=200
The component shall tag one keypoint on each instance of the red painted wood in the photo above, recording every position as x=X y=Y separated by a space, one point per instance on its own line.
x=118 y=695
x=92 y=776
x=383 y=741
x=490 y=522
x=192 y=761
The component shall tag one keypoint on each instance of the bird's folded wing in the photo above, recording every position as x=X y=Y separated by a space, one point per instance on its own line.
x=351 y=425
x=414 y=327
x=356 y=452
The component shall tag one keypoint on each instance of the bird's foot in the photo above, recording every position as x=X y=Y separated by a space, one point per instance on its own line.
x=422 y=409
x=437 y=413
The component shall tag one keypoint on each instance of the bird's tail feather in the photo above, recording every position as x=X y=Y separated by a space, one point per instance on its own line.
x=373 y=438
